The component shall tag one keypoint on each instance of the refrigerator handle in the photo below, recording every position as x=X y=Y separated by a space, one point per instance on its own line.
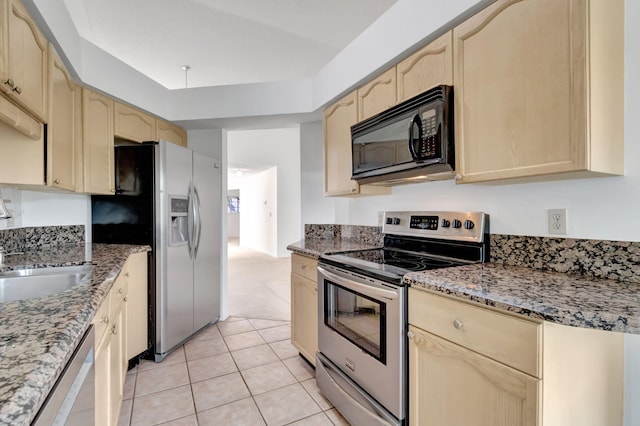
x=198 y=222
x=190 y=219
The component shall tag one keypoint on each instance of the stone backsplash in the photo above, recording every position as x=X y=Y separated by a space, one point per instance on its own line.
x=21 y=239
x=357 y=234
x=616 y=260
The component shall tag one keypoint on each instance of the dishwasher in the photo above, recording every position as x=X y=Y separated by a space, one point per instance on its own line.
x=72 y=399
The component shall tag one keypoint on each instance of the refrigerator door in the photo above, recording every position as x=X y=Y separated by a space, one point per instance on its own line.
x=206 y=271
x=174 y=267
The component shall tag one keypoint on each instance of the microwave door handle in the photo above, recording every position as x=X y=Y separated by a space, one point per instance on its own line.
x=414 y=120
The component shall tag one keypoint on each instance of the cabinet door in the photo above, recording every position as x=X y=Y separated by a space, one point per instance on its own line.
x=103 y=381
x=166 y=131
x=61 y=131
x=97 y=137
x=133 y=124
x=451 y=385
x=519 y=78
x=429 y=67
x=26 y=61
x=338 y=120
x=117 y=355
x=304 y=316
x=377 y=95
x=137 y=338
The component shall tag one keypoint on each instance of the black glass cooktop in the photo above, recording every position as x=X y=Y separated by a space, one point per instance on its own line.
x=389 y=264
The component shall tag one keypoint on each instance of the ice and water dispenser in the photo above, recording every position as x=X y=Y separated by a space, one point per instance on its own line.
x=179 y=234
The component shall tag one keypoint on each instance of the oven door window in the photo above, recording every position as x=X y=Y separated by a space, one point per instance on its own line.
x=358 y=318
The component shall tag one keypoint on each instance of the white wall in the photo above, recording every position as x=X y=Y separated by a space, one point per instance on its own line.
x=279 y=148
x=259 y=218
x=315 y=207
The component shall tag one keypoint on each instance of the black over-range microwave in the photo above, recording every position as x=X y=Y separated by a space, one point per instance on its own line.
x=410 y=142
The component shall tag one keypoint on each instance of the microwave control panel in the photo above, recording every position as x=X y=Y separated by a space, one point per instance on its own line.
x=430 y=135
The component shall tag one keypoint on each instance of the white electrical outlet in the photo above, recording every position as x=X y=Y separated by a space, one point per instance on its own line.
x=557 y=221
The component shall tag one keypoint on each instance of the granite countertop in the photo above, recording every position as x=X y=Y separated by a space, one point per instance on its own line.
x=38 y=336
x=561 y=298
x=316 y=247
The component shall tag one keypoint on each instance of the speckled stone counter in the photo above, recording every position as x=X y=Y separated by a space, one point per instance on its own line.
x=38 y=336
x=317 y=247
x=561 y=298
x=327 y=239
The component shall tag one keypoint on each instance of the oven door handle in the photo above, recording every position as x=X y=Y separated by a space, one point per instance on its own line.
x=356 y=286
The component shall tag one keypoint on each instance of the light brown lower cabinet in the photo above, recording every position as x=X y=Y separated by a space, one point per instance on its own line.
x=470 y=365
x=113 y=320
x=304 y=306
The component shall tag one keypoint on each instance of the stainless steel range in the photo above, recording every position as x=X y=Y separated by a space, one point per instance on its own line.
x=362 y=309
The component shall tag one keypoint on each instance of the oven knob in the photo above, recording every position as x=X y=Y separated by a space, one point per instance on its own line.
x=389 y=220
x=456 y=223
x=445 y=223
x=468 y=224
x=396 y=221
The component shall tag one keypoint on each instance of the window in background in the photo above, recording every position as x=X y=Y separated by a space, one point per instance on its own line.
x=233 y=204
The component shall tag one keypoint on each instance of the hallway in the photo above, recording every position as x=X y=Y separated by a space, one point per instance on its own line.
x=258 y=284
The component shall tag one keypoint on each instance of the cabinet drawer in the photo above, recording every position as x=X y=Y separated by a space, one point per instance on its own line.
x=305 y=267
x=101 y=319
x=119 y=290
x=504 y=338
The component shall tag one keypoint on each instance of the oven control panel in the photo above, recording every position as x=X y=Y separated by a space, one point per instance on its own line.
x=466 y=226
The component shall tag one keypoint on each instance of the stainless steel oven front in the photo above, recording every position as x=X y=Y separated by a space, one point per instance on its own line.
x=361 y=364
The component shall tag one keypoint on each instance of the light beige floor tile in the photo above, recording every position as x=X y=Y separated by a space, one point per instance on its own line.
x=232 y=319
x=286 y=405
x=336 y=418
x=129 y=385
x=319 y=419
x=254 y=356
x=205 y=348
x=174 y=357
x=234 y=327
x=259 y=324
x=300 y=369
x=125 y=412
x=284 y=349
x=275 y=334
x=159 y=379
x=267 y=377
x=211 y=332
x=191 y=420
x=212 y=366
x=311 y=387
x=162 y=406
x=219 y=391
x=243 y=340
x=243 y=412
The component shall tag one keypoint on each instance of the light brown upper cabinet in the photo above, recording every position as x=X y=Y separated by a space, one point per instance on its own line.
x=429 y=67
x=97 y=137
x=133 y=124
x=337 y=120
x=23 y=59
x=170 y=132
x=539 y=89
x=377 y=95
x=61 y=131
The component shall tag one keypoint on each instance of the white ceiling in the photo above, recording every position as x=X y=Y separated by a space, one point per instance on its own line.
x=225 y=42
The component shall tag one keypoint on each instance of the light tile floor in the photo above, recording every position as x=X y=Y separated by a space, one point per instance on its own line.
x=237 y=372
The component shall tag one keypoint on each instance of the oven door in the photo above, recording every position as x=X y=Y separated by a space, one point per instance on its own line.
x=361 y=325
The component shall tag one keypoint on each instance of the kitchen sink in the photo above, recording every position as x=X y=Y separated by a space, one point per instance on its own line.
x=25 y=284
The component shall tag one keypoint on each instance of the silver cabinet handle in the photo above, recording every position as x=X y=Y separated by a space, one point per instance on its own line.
x=458 y=324
x=114 y=329
x=105 y=319
x=17 y=89
x=9 y=82
x=411 y=334
x=126 y=275
x=56 y=181
x=119 y=291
